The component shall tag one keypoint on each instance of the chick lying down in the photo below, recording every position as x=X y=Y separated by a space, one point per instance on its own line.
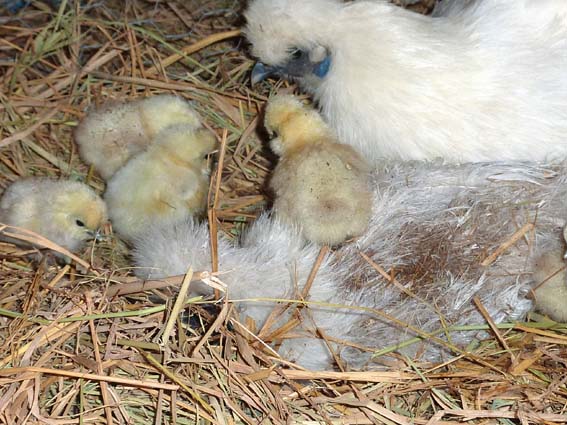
x=320 y=185
x=550 y=276
x=65 y=212
x=110 y=135
x=431 y=229
x=164 y=184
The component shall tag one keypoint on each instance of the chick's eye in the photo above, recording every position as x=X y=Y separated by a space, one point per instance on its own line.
x=79 y=223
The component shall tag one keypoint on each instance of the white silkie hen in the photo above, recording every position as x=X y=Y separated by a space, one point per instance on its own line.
x=482 y=80
x=433 y=228
x=66 y=212
x=320 y=185
x=110 y=135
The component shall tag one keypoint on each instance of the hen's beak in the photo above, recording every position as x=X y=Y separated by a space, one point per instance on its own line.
x=296 y=68
x=260 y=72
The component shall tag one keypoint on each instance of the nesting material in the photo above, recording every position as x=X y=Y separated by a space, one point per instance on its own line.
x=66 y=212
x=430 y=237
x=320 y=185
x=550 y=277
x=75 y=342
x=164 y=184
x=109 y=136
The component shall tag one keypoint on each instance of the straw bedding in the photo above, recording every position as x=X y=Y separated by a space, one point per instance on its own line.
x=92 y=343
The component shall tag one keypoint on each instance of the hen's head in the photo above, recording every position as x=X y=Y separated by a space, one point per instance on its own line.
x=289 y=37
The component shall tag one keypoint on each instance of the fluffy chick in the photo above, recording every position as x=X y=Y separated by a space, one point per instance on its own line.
x=66 y=212
x=319 y=184
x=112 y=134
x=551 y=279
x=484 y=81
x=164 y=184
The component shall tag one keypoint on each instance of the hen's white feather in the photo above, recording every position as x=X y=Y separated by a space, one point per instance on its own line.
x=432 y=226
x=488 y=81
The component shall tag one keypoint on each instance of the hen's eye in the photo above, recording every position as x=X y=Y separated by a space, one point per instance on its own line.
x=295 y=53
x=79 y=223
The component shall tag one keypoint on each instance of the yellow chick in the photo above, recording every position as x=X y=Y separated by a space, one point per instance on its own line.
x=319 y=184
x=66 y=212
x=112 y=134
x=164 y=184
x=551 y=280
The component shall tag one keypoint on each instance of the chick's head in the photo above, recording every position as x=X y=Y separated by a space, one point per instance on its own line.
x=291 y=38
x=295 y=124
x=160 y=112
x=182 y=145
x=77 y=213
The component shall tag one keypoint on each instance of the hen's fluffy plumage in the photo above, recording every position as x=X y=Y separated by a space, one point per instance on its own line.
x=319 y=184
x=162 y=185
x=486 y=81
x=109 y=136
x=65 y=212
x=551 y=282
x=432 y=227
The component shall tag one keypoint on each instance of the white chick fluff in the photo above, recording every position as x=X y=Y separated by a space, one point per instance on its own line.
x=483 y=80
x=164 y=184
x=109 y=136
x=68 y=213
x=319 y=184
x=432 y=227
x=550 y=276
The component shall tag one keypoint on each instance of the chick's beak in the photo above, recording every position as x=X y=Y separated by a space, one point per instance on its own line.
x=260 y=72
x=96 y=235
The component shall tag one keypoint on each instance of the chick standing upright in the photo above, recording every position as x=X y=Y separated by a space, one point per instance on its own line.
x=166 y=183
x=551 y=279
x=66 y=212
x=109 y=136
x=319 y=184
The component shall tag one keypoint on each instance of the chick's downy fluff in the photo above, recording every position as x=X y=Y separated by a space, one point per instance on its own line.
x=482 y=80
x=550 y=276
x=109 y=136
x=164 y=184
x=319 y=184
x=431 y=228
x=66 y=212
